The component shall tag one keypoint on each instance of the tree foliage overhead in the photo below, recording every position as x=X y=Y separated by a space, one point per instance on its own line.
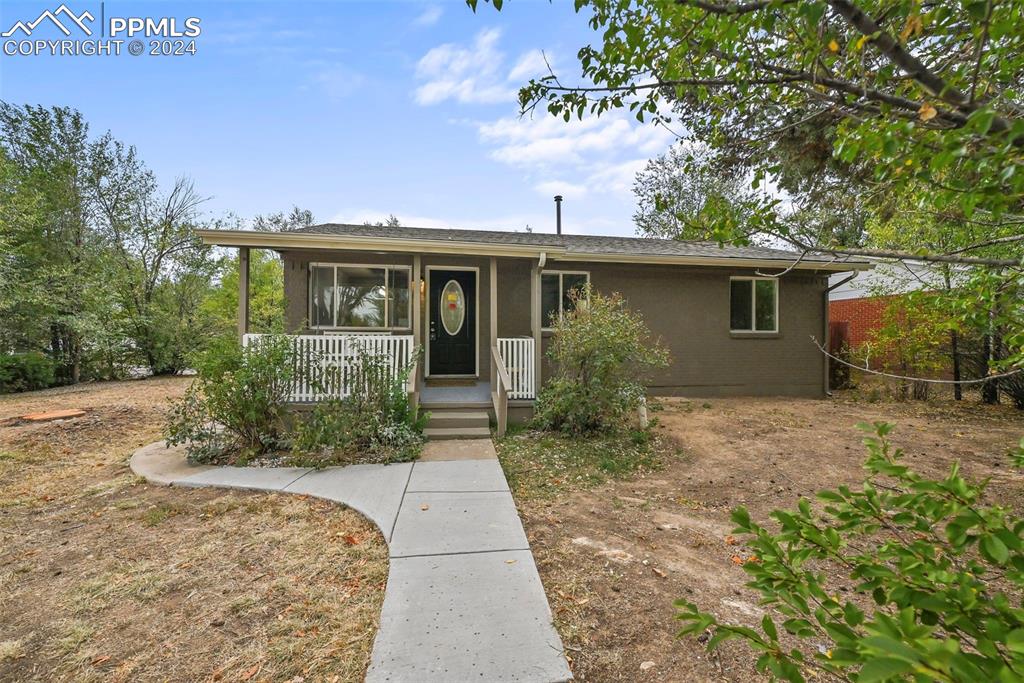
x=888 y=95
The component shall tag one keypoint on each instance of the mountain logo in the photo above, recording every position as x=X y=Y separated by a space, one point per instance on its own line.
x=77 y=20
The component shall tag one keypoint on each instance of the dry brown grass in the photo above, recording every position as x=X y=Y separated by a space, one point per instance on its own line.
x=614 y=557
x=104 y=577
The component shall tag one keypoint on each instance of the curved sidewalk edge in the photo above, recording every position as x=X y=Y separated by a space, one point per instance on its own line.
x=464 y=600
x=375 y=491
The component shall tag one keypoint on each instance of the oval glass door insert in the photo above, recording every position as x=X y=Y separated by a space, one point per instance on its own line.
x=453 y=307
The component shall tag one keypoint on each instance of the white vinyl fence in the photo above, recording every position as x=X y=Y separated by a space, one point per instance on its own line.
x=518 y=356
x=330 y=360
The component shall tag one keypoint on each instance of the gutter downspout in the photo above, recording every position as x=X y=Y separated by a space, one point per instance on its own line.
x=825 y=336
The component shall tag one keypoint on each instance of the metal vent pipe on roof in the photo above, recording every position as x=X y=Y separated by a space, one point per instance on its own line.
x=558 y=214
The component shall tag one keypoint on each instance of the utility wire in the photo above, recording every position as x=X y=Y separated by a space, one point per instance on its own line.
x=864 y=368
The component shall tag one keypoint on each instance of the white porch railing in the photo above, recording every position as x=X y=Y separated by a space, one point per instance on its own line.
x=518 y=356
x=316 y=354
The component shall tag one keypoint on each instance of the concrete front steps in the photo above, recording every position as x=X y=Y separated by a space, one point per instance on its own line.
x=458 y=423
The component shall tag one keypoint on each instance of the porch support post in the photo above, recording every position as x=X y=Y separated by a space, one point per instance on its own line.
x=416 y=301
x=494 y=317
x=243 y=291
x=535 y=322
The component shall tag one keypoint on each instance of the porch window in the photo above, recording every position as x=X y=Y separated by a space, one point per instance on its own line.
x=358 y=296
x=753 y=304
x=556 y=289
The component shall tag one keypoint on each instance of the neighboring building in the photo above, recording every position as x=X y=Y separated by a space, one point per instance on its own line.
x=860 y=303
x=479 y=302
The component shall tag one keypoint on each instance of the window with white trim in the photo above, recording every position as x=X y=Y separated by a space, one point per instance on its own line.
x=556 y=293
x=754 y=304
x=354 y=296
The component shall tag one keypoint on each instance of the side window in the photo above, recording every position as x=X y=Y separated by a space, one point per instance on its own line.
x=556 y=294
x=550 y=298
x=753 y=304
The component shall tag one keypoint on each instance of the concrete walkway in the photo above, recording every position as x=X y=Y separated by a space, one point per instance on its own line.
x=464 y=601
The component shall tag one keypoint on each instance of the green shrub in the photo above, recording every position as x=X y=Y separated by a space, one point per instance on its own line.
x=928 y=589
x=25 y=372
x=375 y=423
x=236 y=406
x=601 y=351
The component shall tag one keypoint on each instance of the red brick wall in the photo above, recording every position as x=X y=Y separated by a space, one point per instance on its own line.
x=864 y=315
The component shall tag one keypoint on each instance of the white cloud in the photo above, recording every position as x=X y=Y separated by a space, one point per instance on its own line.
x=596 y=158
x=547 y=141
x=337 y=81
x=429 y=16
x=593 y=157
x=616 y=178
x=530 y=65
x=465 y=74
x=566 y=189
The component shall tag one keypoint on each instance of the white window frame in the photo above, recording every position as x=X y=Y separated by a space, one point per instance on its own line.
x=387 y=267
x=561 y=295
x=753 y=305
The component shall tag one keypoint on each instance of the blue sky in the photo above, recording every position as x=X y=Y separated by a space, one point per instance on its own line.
x=355 y=110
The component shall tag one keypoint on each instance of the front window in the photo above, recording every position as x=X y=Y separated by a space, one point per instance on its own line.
x=556 y=294
x=357 y=296
x=753 y=304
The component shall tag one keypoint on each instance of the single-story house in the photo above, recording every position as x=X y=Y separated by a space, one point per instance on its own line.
x=736 y=320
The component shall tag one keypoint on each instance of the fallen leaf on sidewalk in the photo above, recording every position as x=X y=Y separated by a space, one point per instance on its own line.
x=424 y=507
x=510 y=561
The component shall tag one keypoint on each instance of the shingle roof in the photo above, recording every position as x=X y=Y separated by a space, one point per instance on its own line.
x=573 y=244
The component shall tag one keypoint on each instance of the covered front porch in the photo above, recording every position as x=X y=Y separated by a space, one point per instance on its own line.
x=469 y=327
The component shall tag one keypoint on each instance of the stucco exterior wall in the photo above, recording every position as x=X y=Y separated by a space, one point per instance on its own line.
x=686 y=307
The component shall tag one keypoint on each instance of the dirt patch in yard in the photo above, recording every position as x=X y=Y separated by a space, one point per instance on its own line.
x=614 y=558
x=104 y=577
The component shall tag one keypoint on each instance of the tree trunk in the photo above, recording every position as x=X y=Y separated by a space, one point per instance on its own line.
x=75 y=349
x=954 y=343
x=989 y=390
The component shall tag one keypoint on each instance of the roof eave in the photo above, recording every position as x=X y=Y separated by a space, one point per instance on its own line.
x=719 y=261
x=295 y=240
